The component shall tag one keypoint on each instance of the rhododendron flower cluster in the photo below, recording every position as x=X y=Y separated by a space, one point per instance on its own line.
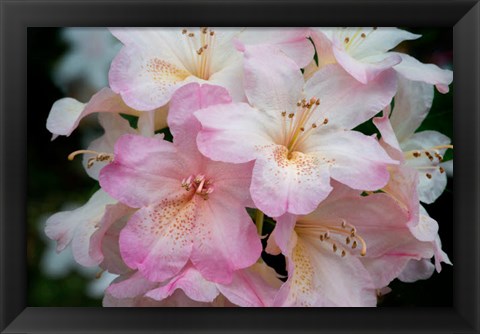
x=264 y=127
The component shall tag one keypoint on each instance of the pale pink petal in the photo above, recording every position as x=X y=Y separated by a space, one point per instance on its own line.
x=144 y=171
x=177 y=299
x=417 y=270
x=376 y=40
x=344 y=101
x=294 y=185
x=64 y=116
x=232 y=179
x=191 y=282
x=231 y=78
x=233 y=132
x=385 y=268
x=225 y=238
x=388 y=136
x=426 y=229
x=365 y=70
x=283 y=235
x=188 y=99
x=402 y=187
x=273 y=82
x=440 y=255
x=144 y=80
x=252 y=287
x=321 y=38
x=114 y=126
x=130 y=286
x=412 y=103
x=62 y=226
x=414 y=70
x=354 y=159
x=105 y=238
x=292 y=41
x=66 y=113
x=157 y=239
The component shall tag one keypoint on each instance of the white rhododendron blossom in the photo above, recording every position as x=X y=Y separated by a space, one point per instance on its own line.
x=217 y=138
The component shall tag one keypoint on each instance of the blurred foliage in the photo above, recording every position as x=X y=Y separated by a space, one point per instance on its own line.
x=54 y=182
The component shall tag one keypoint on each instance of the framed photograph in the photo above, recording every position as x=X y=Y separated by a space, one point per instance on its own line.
x=157 y=144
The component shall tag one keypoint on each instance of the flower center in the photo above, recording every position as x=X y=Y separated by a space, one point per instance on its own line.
x=334 y=235
x=351 y=42
x=199 y=184
x=199 y=47
x=297 y=125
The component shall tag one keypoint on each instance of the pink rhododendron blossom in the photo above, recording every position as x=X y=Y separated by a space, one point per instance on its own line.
x=364 y=53
x=154 y=62
x=330 y=251
x=190 y=208
x=297 y=132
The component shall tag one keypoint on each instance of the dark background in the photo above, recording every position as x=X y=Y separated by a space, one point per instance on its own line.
x=53 y=181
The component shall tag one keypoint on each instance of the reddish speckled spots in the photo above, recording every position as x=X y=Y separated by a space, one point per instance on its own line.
x=302 y=279
x=174 y=219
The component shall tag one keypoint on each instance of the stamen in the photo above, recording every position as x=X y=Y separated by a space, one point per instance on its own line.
x=202 y=186
x=442 y=170
x=99 y=156
x=345 y=229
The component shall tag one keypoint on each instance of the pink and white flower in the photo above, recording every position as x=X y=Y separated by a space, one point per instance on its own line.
x=298 y=133
x=333 y=253
x=364 y=53
x=189 y=207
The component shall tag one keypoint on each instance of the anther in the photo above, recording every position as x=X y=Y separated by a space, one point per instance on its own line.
x=314 y=125
x=184 y=31
x=344 y=253
x=346 y=40
x=442 y=170
x=416 y=154
x=284 y=113
x=212 y=33
x=363 y=35
x=354 y=244
x=302 y=129
x=322 y=237
x=347 y=240
x=325 y=121
x=291 y=115
x=428 y=175
x=191 y=34
x=334 y=247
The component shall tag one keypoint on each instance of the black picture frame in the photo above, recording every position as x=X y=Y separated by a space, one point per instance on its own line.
x=17 y=15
